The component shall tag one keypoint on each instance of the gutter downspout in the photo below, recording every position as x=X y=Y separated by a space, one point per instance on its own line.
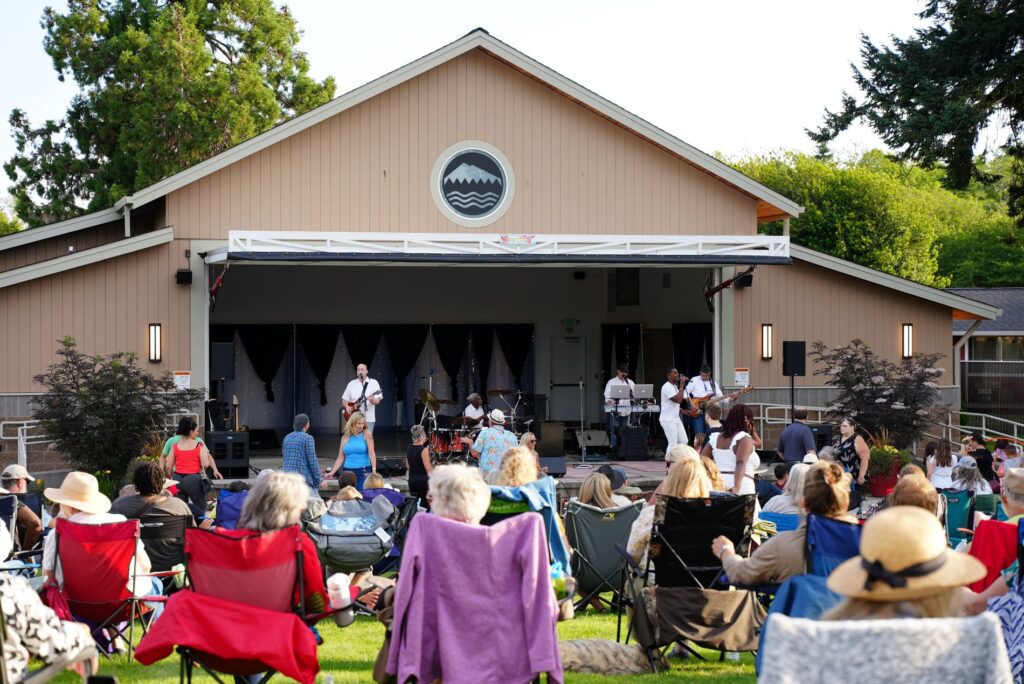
x=956 y=350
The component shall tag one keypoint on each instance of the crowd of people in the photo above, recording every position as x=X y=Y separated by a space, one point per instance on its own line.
x=905 y=568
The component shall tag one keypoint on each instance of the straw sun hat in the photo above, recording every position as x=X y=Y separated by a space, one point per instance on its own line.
x=81 y=491
x=903 y=555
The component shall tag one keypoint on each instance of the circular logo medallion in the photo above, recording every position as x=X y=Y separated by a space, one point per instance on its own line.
x=472 y=183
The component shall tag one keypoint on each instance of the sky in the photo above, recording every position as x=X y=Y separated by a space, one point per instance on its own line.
x=740 y=77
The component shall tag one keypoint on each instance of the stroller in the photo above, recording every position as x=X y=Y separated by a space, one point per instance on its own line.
x=352 y=536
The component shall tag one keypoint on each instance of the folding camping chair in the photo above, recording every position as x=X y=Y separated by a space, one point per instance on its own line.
x=802 y=596
x=540 y=497
x=50 y=670
x=995 y=544
x=687 y=605
x=986 y=503
x=163 y=536
x=94 y=561
x=959 y=515
x=252 y=579
x=593 y=534
x=229 y=508
x=8 y=517
x=828 y=543
x=784 y=522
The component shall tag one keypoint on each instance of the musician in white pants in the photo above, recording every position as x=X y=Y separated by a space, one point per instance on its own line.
x=673 y=397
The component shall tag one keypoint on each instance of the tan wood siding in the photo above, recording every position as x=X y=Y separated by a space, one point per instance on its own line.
x=368 y=168
x=106 y=307
x=811 y=303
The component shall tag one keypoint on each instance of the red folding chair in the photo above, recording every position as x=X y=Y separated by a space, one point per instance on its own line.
x=244 y=614
x=95 y=561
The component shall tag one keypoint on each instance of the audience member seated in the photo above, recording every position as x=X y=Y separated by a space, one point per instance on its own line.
x=967 y=477
x=518 y=467
x=15 y=480
x=151 y=501
x=687 y=479
x=790 y=501
x=940 y=466
x=229 y=504
x=32 y=630
x=81 y=501
x=905 y=570
x=915 y=490
x=827 y=494
x=618 y=483
x=1012 y=497
x=1011 y=460
x=769 y=489
x=886 y=501
x=275 y=502
x=678 y=453
x=347 y=493
x=374 y=486
x=827 y=453
x=596 y=491
x=718 y=483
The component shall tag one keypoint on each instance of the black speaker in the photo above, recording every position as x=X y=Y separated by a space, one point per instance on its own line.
x=183 y=276
x=554 y=464
x=222 y=361
x=230 y=450
x=391 y=467
x=745 y=281
x=551 y=439
x=794 y=358
x=632 y=443
x=822 y=434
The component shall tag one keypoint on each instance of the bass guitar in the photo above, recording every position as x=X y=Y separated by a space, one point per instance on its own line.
x=700 y=404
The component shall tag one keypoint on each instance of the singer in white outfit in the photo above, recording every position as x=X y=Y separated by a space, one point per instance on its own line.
x=672 y=399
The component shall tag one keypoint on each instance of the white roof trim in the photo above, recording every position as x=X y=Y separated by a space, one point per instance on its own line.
x=870 y=275
x=86 y=257
x=475 y=39
x=30 y=235
x=507 y=246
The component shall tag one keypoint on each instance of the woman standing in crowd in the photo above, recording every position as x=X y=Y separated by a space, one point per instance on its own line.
x=826 y=493
x=853 y=455
x=417 y=462
x=732 y=449
x=940 y=466
x=188 y=461
x=356 y=453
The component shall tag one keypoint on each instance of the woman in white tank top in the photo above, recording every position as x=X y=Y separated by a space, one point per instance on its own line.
x=733 y=450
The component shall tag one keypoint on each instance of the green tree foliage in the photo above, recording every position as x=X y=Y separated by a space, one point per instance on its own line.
x=164 y=85
x=931 y=95
x=102 y=411
x=889 y=215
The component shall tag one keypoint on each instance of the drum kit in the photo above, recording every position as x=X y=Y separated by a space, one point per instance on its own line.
x=450 y=437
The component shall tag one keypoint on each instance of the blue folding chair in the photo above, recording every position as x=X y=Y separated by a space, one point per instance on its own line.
x=229 y=508
x=784 y=522
x=1001 y=513
x=829 y=542
x=959 y=515
x=805 y=596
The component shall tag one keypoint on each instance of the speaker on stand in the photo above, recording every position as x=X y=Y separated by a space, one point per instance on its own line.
x=794 y=363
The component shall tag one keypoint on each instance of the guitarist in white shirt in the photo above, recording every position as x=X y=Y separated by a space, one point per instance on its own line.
x=703 y=387
x=365 y=393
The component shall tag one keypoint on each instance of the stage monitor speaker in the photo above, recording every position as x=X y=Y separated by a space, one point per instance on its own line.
x=554 y=464
x=551 y=439
x=391 y=467
x=632 y=443
x=794 y=358
x=222 y=361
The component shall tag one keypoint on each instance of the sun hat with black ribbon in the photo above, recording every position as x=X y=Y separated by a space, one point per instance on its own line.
x=903 y=555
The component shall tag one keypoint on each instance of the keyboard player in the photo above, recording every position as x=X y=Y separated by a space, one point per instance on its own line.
x=619 y=418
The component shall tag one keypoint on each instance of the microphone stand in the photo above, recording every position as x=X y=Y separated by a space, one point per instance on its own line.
x=583 y=434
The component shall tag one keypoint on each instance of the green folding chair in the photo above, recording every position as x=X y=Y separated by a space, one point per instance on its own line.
x=987 y=504
x=959 y=515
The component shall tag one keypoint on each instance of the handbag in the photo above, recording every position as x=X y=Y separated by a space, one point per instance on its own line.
x=53 y=596
x=207 y=485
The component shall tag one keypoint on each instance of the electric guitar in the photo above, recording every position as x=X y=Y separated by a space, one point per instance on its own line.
x=350 y=407
x=700 y=404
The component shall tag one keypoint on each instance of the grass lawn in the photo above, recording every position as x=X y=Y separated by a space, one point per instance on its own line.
x=348 y=655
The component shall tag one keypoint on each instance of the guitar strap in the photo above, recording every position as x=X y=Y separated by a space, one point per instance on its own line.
x=362 y=397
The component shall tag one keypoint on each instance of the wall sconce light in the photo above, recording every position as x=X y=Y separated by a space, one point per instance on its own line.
x=154 y=343
x=766 y=341
x=908 y=340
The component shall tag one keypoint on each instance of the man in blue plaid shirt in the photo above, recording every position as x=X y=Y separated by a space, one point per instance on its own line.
x=299 y=451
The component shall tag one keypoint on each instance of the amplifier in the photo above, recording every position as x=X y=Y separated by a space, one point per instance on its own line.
x=632 y=443
x=230 y=451
x=391 y=467
x=554 y=464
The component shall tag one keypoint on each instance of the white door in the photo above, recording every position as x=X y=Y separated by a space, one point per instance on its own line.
x=568 y=368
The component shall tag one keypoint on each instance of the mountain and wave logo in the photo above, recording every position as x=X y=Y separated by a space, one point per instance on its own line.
x=473 y=183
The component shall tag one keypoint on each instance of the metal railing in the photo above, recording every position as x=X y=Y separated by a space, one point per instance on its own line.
x=25 y=433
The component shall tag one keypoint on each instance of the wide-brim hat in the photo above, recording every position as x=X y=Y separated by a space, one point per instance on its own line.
x=497 y=416
x=904 y=555
x=81 y=491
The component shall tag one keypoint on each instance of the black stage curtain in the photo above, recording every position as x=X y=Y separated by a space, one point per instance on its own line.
x=483 y=345
x=222 y=333
x=692 y=347
x=626 y=338
x=405 y=343
x=451 y=342
x=319 y=342
x=515 y=340
x=266 y=346
x=362 y=342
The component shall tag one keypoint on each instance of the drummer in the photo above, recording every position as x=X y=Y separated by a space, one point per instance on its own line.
x=475 y=411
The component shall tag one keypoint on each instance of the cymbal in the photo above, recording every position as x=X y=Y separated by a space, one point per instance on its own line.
x=446 y=402
x=500 y=391
x=429 y=399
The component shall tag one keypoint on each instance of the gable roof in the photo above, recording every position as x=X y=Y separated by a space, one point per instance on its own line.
x=771 y=205
x=1009 y=299
x=963 y=308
